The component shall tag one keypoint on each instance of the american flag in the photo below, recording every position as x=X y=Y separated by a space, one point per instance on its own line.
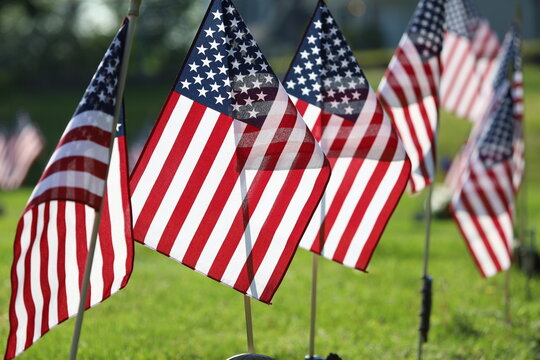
x=470 y=48
x=4 y=136
x=230 y=175
x=53 y=234
x=483 y=205
x=369 y=165
x=409 y=89
x=19 y=153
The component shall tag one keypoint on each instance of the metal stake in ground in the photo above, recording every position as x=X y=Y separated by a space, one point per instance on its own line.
x=133 y=14
x=314 y=271
x=425 y=311
x=247 y=300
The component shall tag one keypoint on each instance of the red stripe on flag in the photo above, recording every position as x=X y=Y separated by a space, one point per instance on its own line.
x=480 y=230
x=452 y=60
x=271 y=223
x=211 y=216
x=44 y=280
x=465 y=236
x=107 y=248
x=27 y=290
x=337 y=203
x=81 y=242
x=195 y=182
x=13 y=320
x=398 y=90
x=291 y=246
x=167 y=173
x=249 y=203
x=239 y=224
x=485 y=200
x=383 y=218
x=66 y=193
x=153 y=141
x=77 y=163
x=362 y=206
x=473 y=99
x=87 y=133
x=126 y=207
x=61 y=260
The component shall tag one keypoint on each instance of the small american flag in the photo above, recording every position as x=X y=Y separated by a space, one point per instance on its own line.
x=369 y=165
x=483 y=205
x=230 y=175
x=3 y=158
x=19 y=152
x=468 y=58
x=53 y=234
x=409 y=89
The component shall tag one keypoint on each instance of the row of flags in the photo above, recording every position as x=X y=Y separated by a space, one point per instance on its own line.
x=18 y=151
x=239 y=170
x=492 y=168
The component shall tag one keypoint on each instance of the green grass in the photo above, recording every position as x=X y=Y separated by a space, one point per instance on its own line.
x=170 y=312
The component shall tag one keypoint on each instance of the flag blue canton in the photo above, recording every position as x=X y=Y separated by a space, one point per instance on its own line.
x=225 y=69
x=101 y=92
x=496 y=143
x=426 y=28
x=325 y=72
x=510 y=49
x=461 y=18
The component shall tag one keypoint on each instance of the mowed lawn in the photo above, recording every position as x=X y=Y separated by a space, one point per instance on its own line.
x=170 y=312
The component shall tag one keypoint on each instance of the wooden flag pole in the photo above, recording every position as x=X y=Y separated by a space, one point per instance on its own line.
x=426 y=298
x=133 y=14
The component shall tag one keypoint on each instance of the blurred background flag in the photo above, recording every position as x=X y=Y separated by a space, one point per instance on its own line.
x=4 y=136
x=51 y=243
x=230 y=175
x=409 y=89
x=483 y=206
x=369 y=165
x=470 y=48
x=18 y=152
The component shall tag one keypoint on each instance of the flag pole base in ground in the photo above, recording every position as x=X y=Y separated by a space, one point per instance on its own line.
x=330 y=356
x=250 y=356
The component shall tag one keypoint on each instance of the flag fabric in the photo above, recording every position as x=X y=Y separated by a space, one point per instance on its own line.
x=21 y=150
x=230 y=175
x=483 y=205
x=468 y=57
x=409 y=89
x=3 y=157
x=53 y=234
x=136 y=147
x=369 y=165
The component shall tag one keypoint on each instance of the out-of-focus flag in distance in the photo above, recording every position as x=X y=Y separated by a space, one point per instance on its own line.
x=409 y=89
x=53 y=234
x=369 y=165
x=468 y=57
x=19 y=152
x=136 y=147
x=230 y=175
x=483 y=205
x=4 y=136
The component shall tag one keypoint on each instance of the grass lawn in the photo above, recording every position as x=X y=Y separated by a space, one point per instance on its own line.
x=170 y=312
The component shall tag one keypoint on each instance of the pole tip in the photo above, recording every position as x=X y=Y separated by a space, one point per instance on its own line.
x=134 y=7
